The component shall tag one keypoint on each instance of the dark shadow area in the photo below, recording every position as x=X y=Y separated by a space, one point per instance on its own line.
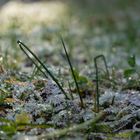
x=3 y=2
x=109 y=6
x=103 y=12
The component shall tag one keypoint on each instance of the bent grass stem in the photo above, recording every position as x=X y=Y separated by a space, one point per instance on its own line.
x=24 y=48
x=97 y=104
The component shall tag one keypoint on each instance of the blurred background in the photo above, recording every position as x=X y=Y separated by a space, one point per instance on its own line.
x=89 y=28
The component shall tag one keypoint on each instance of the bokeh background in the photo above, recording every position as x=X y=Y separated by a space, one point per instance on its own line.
x=89 y=28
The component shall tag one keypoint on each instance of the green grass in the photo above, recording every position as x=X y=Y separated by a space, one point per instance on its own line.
x=102 y=53
x=23 y=47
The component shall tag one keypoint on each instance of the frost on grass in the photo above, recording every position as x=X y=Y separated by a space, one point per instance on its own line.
x=40 y=102
x=43 y=102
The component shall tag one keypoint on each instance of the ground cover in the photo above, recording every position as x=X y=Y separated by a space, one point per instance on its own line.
x=88 y=86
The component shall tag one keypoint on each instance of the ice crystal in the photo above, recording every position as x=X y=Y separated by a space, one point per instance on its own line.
x=22 y=91
x=87 y=114
x=40 y=120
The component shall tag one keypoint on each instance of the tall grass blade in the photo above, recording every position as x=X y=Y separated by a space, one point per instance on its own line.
x=72 y=71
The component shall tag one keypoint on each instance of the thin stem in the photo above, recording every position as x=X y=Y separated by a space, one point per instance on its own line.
x=105 y=63
x=72 y=71
x=97 y=86
x=23 y=47
x=97 y=104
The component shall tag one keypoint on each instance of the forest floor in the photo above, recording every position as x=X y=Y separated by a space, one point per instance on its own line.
x=97 y=97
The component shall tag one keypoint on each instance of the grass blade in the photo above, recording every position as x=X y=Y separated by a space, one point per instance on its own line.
x=24 y=48
x=97 y=104
x=105 y=63
x=72 y=71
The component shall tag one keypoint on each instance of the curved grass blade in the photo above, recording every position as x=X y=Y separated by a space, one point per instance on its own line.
x=72 y=71
x=24 y=48
x=105 y=63
x=97 y=79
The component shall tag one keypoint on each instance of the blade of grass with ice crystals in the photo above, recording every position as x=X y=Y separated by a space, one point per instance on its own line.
x=24 y=48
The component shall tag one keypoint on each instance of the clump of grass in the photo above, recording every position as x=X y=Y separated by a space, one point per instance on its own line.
x=72 y=71
x=27 y=51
